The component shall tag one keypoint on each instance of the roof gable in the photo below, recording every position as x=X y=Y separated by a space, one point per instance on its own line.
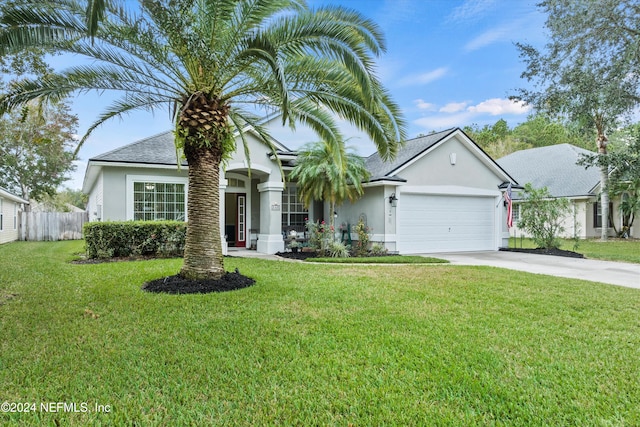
x=553 y=167
x=414 y=149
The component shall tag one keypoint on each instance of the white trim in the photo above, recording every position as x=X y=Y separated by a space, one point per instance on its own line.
x=94 y=167
x=5 y=194
x=383 y=183
x=246 y=165
x=271 y=186
x=451 y=190
x=130 y=179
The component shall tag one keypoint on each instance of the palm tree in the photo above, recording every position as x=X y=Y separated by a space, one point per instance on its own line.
x=328 y=172
x=215 y=64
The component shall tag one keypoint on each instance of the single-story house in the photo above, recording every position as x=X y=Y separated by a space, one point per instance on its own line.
x=10 y=206
x=442 y=193
x=556 y=168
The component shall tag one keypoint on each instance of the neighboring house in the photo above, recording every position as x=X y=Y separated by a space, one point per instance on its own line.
x=10 y=206
x=442 y=193
x=556 y=168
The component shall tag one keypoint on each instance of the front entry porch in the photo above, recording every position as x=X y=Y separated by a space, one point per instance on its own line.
x=258 y=213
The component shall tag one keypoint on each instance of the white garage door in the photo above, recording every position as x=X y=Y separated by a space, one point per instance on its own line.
x=445 y=223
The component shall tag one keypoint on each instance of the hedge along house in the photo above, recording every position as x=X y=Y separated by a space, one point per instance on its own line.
x=442 y=193
x=10 y=207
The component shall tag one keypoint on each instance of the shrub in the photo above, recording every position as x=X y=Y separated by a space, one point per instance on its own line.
x=542 y=216
x=378 y=249
x=134 y=238
x=337 y=249
x=361 y=247
x=320 y=236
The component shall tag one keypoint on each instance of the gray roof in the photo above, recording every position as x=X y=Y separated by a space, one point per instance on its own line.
x=553 y=167
x=157 y=149
x=380 y=169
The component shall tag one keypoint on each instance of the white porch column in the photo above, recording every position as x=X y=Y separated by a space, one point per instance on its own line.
x=270 y=238
x=223 y=186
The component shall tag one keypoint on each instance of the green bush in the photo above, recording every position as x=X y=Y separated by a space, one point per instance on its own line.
x=542 y=216
x=338 y=250
x=134 y=238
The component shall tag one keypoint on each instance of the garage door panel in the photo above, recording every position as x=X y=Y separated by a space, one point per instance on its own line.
x=430 y=223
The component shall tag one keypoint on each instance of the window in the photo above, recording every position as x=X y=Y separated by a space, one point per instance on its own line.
x=515 y=211
x=293 y=211
x=235 y=182
x=158 y=201
x=597 y=214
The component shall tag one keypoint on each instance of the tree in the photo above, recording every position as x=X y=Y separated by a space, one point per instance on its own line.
x=496 y=140
x=540 y=131
x=215 y=64
x=542 y=216
x=588 y=73
x=330 y=173
x=65 y=200
x=36 y=150
x=623 y=162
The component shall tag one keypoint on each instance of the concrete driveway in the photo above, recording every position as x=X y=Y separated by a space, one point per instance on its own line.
x=614 y=273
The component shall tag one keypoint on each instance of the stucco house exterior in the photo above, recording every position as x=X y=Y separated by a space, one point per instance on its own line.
x=10 y=207
x=442 y=193
x=556 y=168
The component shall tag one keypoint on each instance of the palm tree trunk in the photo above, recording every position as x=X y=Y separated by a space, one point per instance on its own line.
x=203 y=246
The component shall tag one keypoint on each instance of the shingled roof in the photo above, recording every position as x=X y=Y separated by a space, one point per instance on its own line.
x=379 y=169
x=156 y=149
x=553 y=167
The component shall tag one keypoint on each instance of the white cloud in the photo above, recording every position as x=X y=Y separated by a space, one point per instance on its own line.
x=453 y=107
x=499 y=106
x=426 y=106
x=424 y=78
x=470 y=10
x=460 y=114
x=440 y=122
x=489 y=37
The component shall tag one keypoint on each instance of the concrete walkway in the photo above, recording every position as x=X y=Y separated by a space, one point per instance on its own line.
x=614 y=273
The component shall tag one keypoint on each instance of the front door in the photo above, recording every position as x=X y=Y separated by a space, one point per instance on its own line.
x=241 y=221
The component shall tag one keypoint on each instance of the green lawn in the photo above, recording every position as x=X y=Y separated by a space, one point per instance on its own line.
x=314 y=345
x=399 y=259
x=627 y=250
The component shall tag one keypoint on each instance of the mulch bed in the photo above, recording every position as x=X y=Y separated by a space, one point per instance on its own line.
x=179 y=285
x=543 y=251
x=297 y=255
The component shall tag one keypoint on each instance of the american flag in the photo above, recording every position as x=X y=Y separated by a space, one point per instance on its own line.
x=507 y=198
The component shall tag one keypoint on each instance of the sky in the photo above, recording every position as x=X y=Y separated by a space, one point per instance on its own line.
x=448 y=63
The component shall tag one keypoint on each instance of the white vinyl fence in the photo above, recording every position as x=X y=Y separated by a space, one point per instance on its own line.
x=51 y=226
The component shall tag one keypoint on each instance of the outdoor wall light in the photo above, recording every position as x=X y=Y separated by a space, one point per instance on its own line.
x=335 y=214
x=393 y=200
